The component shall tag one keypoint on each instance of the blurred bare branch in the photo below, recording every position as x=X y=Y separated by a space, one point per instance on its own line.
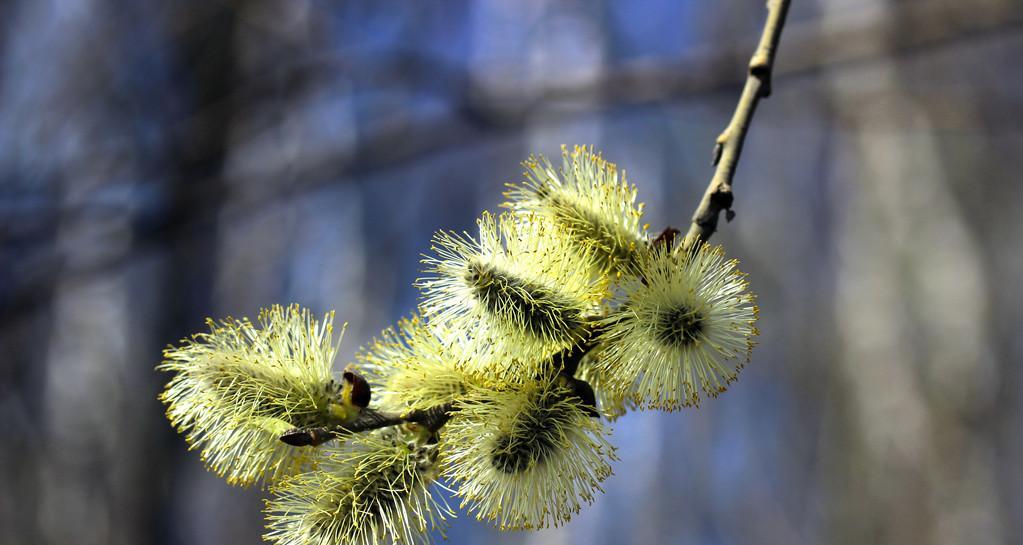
x=728 y=147
x=484 y=112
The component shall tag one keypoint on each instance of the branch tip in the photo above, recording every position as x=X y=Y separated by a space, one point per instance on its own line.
x=728 y=147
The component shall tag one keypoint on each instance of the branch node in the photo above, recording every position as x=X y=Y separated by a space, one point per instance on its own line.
x=721 y=199
x=760 y=64
x=760 y=68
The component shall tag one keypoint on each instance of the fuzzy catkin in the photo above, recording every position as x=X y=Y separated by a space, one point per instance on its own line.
x=237 y=388
x=589 y=200
x=526 y=457
x=687 y=326
x=372 y=490
x=413 y=367
x=510 y=294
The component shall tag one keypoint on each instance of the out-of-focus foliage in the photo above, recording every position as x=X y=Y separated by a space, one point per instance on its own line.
x=164 y=162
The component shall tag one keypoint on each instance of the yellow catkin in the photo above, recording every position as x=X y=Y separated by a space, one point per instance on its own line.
x=373 y=490
x=236 y=388
x=412 y=367
x=589 y=200
x=510 y=295
x=525 y=457
x=687 y=326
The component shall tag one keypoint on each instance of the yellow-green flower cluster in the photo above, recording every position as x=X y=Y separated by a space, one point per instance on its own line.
x=589 y=201
x=551 y=315
x=687 y=325
x=237 y=388
x=526 y=456
x=413 y=368
x=374 y=489
x=518 y=294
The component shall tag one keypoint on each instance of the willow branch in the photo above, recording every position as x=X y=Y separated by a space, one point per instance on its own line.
x=718 y=196
x=433 y=418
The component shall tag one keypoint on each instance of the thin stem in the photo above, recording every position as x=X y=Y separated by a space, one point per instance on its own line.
x=718 y=195
x=433 y=418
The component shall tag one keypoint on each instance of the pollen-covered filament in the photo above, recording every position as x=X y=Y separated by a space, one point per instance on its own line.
x=532 y=308
x=679 y=326
x=373 y=491
x=264 y=396
x=369 y=498
x=589 y=228
x=530 y=441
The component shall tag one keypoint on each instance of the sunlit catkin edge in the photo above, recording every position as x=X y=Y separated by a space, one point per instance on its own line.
x=238 y=387
x=375 y=489
x=562 y=455
x=589 y=200
x=699 y=300
x=517 y=294
x=412 y=367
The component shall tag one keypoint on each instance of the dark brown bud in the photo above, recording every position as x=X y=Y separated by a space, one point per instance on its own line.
x=361 y=393
x=297 y=438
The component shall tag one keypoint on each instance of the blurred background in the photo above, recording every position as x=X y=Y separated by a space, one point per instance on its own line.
x=161 y=162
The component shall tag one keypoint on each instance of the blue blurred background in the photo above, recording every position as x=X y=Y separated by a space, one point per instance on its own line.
x=161 y=162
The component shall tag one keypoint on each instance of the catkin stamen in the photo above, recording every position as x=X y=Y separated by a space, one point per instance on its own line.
x=530 y=442
x=687 y=325
x=587 y=227
x=680 y=326
x=238 y=387
x=534 y=308
x=363 y=495
x=526 y=457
